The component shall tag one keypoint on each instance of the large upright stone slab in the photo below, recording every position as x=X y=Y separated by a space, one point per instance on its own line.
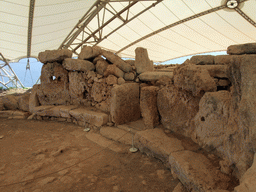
x=177 y=109
x=142 y=62
x=196 y=172
x=78 y=65
x=77 y=85
x=126 y=67
x=125 y=103
x=33 y=99
x=49 y=56
x=148 y=106
x=248 y=48
x=156 y=143
x=88 y=52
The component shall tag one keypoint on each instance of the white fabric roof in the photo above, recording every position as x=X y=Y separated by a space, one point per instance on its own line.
x=170 y=29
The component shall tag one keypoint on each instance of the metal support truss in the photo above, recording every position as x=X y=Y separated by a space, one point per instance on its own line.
x=245 y=16
x=7 y=75
x=97 y=14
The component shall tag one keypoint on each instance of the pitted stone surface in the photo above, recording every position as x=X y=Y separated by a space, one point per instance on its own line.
x=156 y=143
x=78 y=65
x=54 y=55
x=248 y=48
x=154 y=75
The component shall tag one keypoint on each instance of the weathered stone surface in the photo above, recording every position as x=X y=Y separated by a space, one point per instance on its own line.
x=154 y=75
x=23 y=102
x=1 y=104
x=129 y=76
x=131 y=62
x=142 y=62
x=193 y=79
x=126 y=67
x=120 y=81
x=222 y=59
x=220 y=71
x=54 y=55
x=54 y=85
x=125 y=103
x=111 y=80
x=94 y=118
x=56 y=111
x=104 y=142
x=248 y=48
x=10 y=102
x=113 y=70
x=117 y=135
x=202 y=59
x=77 y=85
x=212 y=118
x=223 y=82
x=248 y=180
x=156 y=143
x=98 y=58
x=99 y=91
x=78 y=65
x=165 y=81
x=88 y=52
x=148 y=106
x=101 y=66
x=196 y=172
x=33 y=99
x=177 y=109
x=179 y=188
x=6 y=113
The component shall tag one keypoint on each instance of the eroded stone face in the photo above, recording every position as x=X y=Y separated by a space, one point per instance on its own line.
x=248 y=48
x=177 y=109
x=142 y=62
x=54 y=55
x=54 y=85
x=77 y=85
x=88 y=52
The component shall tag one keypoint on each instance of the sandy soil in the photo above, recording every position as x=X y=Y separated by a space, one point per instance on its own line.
x=56 y=156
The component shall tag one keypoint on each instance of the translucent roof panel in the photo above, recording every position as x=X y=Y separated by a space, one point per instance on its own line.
x=168 y=29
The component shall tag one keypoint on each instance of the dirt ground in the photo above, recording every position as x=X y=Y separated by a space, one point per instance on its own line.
x=55 y=156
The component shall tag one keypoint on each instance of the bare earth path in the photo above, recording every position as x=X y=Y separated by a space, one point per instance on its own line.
x=30 y=150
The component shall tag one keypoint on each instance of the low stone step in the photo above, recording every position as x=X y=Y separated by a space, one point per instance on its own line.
x=92 y=117
x=154 y=75
x=156 y=143
x=117 y=134
x=55 y=111
x=14 y=114
x=106 y=143
x=196 y=172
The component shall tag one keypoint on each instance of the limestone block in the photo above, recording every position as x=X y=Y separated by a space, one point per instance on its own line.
x=129 y=76
x=156 y=143
x=179 y=188
x=111 y=80
x=120 y=81
x=54 y=55
x=142 y=62
x=94 y=118
x=99 y=91
x=10 y=102
x=177 y=109
x=193 y=79
x=1 y=104
x=125 y=103
x=212 y=118
x=131 y=62
x=113 y=70
x=154 y=75
x=222 y=59
x=88 y=52
x=6 y=113
x=23 y=102
x=54 y=85
x=196 y=172
x=248 y=181
x=126 y=67
x=33 y=99
x=202 y=60
x=77 y=85
x=78 y=65
x=101 y=66
x=117 y=135
x=223 y=82
x=98 y=58
x=220 y=71
x=248 y=48
x=148 y=106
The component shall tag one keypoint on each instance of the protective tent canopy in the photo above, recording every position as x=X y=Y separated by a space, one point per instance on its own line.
x=167 y=28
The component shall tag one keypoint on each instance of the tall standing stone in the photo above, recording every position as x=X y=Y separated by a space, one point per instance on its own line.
x=142 y=62
x=125 y=103
x=148 y=106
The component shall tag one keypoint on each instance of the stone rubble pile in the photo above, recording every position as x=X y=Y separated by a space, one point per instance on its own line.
x=210 y=99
